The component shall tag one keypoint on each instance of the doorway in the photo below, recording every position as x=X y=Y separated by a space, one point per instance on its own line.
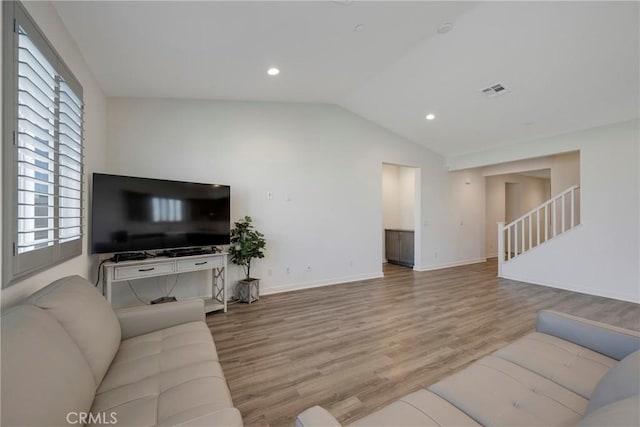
x=400 y=214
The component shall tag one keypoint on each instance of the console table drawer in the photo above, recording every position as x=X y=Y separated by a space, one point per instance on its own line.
x=142 y=270
x=204 y=263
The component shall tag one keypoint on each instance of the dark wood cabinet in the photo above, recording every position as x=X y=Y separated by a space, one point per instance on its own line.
x=399 y=246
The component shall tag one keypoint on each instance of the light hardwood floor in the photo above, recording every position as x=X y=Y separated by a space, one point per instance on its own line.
x=356 y=347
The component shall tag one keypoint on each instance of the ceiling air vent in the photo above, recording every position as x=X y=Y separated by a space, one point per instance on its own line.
x=494 y=90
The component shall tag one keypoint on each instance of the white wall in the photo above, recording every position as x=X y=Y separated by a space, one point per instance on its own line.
x=602 y=255
x=534 y=191
x=327 y=160
x=94 y=139
x=398 y=197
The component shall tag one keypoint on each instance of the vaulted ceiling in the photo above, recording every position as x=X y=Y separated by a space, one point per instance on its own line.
x=565 y=65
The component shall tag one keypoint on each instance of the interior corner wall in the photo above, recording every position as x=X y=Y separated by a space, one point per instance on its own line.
x=398 y=197
x=602 y=255
x=407 y=189
x=322 y=165
x=565 y=172
x=390 y=196
x=94 y=142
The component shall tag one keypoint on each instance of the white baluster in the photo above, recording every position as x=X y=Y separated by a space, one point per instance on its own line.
x=554 y=219
x=546 y=222
x=508 y=242
x=573 y=202
x=563 y=213
x=538 y=227
x=530 y=231
x=523 y=239
x=500 y=247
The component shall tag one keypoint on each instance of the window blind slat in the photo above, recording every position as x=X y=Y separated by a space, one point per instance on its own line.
x=26 y=167
x=26 y=46
x=25 y=130
x=27 y=99
x=44 y=83
x=69 y=119
x=26 y=114
x=28 y=126
x=66 y=100
x=75 y=133
x=71 y=95
x=24 y=180
x=39 y=156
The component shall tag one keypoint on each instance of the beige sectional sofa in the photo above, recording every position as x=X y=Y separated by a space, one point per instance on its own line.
x=68 y=358
x=571 y=371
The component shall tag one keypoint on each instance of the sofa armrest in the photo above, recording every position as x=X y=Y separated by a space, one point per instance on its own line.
x=316 y=417
x=609 y=340
x=140 y=320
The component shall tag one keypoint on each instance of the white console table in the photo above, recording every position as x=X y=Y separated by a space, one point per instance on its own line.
x=123 y=271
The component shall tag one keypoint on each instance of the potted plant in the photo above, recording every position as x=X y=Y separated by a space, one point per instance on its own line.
x=247 y=243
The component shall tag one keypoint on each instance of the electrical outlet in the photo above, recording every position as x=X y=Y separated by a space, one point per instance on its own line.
x=288 y=270
x=436 y=254
x=269 y=195
x=309 y=268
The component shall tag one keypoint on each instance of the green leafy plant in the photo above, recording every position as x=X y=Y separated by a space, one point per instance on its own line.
x=247 y=243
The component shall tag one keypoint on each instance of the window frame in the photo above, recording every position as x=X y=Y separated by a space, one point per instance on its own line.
x=18 y=266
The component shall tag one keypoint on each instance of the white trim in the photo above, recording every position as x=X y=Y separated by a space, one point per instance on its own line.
x=575 y=288
x=492 y=255
x=319 y=283
x=452 y=264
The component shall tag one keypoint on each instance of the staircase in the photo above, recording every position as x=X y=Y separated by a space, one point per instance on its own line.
x=541 y=224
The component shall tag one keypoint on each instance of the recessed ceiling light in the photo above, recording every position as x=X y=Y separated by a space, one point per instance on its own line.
x=359 y=28
x=273 y=71
x=445 y=28
x=430 y=117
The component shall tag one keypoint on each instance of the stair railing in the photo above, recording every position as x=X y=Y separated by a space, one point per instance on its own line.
x=552 y=218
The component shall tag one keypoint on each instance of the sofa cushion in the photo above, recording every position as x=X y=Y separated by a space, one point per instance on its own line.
x=572 y=366
x=421 y=408
x=44 y=374
x=86 y=316
x=169 y=376
x=621 y=382
x=494 y=391
x=228 y=417
x=623 y=413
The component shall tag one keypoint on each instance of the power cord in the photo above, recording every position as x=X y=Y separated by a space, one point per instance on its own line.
x=134 y=293
x=99 y=270
x=174 y=285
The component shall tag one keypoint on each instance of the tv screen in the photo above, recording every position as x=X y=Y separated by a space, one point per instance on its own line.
x=137 y=214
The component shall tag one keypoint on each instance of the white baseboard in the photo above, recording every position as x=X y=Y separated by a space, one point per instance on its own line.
x=452 y=264
x=575 y=288
x=319 y=283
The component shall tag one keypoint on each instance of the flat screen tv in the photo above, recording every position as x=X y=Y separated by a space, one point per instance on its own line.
x=137 y=214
